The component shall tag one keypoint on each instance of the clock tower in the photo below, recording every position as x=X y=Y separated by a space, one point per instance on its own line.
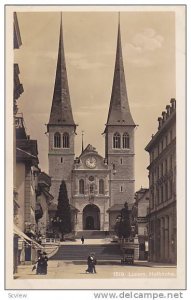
x=61 y=128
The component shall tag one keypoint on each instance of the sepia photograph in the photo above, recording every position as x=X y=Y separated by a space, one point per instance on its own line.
x=95 y=147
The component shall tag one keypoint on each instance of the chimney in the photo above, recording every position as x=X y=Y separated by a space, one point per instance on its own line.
x=173 y=104
x=168 y=111
x=160 y=123
x=163 y=116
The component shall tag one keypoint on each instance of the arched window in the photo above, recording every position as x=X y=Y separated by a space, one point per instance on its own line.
x=57 y=143
x=66 y=143
x=81 y=186
x=125 y=140
x=116 y=141
x=101 y=186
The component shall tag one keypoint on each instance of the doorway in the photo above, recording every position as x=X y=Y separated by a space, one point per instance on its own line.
x=91 y=217
x=89 y=223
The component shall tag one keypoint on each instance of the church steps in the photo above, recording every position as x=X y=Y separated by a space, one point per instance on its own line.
x=81 y=252
x=91 y=234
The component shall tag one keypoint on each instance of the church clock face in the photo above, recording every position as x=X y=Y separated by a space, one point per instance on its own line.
x=91 y=162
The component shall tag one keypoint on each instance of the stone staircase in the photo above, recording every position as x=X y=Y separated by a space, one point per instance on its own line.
x=103 y=252
x=90 y=234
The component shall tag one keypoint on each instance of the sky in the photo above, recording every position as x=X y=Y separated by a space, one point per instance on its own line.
x=148 y=46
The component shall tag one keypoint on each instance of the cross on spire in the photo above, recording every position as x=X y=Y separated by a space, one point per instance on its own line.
x=82 y=140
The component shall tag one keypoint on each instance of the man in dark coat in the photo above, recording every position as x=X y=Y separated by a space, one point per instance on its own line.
x=40 y=262
x=45 y=263
x=94 y=263
x=90 y=264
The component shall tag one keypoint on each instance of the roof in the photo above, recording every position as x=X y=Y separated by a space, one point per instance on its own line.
x=17 y=36
x=89 y=149
x=53 y=207
x=27 y=150
x=119 y=207
x=61 y=110
x=47 y=194
x=73 y=208
x=119 y=110
x=18 y=87
x=44 y=179
x=20 y=128
x=140 y=194
x=171 y=118
x=142 y=190
x=26 y=238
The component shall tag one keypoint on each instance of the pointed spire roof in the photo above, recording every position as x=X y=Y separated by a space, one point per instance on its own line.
x=61 y=110
x=119 y=110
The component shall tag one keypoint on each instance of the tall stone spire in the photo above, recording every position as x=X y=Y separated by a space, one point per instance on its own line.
x=119 y=110
x=61 y=110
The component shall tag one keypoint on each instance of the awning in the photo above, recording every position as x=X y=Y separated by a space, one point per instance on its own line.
x=26 y=238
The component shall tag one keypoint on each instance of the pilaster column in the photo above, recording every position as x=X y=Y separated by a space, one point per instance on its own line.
x=106 y=183
x=162 y=239
x=79 y=225
x=166 y=255
x=170 y=239
x=86 y=187
x=76 y=186
x=106 y=216
x=96 y=185
x=157 y=240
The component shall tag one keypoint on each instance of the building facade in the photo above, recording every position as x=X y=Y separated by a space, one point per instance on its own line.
x=162 y=188
x=18 y=90
x=43 y=202
x=33 y=196
x=140 y=220
x=97 y=186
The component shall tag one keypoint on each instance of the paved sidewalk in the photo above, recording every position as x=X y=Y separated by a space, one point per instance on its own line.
x=144 y=263
x=76 y=270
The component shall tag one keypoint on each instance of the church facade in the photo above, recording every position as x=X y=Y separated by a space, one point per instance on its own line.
x=97 y=186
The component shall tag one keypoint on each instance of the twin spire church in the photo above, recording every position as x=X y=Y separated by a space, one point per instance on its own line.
x=97 y=186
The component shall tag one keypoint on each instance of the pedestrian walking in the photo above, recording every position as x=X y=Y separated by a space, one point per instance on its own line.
x=90 y=264
x=40 y=262
x=82 y=239
x=94 y=263
x=45 y=263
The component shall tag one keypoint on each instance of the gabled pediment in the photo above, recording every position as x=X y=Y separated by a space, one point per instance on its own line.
x=90 y=159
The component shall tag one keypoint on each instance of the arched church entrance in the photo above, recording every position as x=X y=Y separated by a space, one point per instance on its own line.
x=91 y=217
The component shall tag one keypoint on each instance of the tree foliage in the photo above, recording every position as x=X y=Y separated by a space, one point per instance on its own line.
x=63 y=213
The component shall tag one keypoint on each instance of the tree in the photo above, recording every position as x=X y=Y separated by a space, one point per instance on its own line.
x=123 y=224
x=63 y=213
